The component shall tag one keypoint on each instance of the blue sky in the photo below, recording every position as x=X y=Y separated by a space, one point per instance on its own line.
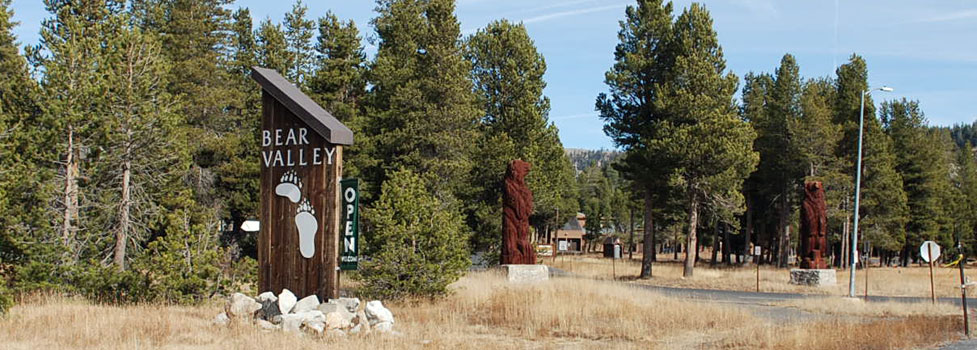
x=926 y=50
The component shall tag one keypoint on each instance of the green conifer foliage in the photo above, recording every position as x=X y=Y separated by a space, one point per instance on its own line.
x=22 y=151
x=298 y=35
x=508 y=75
x=921 y=159
x=710 y=146
x=643 y=64
x=418 y=246
x=421 y=110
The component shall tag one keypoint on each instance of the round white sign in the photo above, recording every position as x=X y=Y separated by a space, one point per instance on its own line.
x=929 y=247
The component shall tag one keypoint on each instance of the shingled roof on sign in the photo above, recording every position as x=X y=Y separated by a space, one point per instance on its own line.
x=302 y=106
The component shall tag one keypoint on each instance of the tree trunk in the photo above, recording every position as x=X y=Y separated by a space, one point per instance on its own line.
x=715 y=242
x=70 y=192
x=631 y=238
x=784 y=239
x=691 y=241
x=726 y=246
x=648 y=247
x=125 y=223
x=749 y=229
x=845 y=246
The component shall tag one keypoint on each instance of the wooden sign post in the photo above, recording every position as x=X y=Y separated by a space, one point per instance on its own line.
x=301 y=165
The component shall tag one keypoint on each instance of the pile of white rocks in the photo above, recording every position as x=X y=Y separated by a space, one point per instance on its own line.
x=337 y=317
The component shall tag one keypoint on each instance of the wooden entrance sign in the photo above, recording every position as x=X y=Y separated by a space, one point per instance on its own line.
x=301 y=164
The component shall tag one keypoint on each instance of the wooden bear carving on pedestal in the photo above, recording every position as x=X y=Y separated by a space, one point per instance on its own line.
x=517 y=205
x=814 y=224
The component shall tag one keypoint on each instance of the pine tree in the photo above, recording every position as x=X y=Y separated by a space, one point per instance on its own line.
x=339 y=85
x=817 y=138
x=421 y=109
x=883 y=201
x=508 y=75
x=643 y=63
x=704 y=137
x=418 y=247
x=920 y=157
x=143 y=137
x=756 y=94
x=298 y=35
x=779 y=172
x=73 y=108
x=273 y=48
x=24 y=218
x=963 y=207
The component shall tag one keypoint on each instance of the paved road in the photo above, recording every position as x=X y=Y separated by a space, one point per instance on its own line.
x=754 y=297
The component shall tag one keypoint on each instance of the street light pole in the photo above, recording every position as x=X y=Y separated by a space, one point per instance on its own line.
x=858 y=187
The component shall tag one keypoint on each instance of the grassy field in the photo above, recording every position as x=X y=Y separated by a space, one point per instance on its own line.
x=889 y=281
x=483 y=312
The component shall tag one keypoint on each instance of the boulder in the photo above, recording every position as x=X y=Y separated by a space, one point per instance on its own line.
x=356 y=329
x=384 y=327
x=266 y=325
x=330 y=307
x=269 y=308
x=241 y=306
x=308 y=303
x=314 y=326
x=292 y=322
x=336 y=320
x=286 y=301
x=335 y=333
x=351 y=304
x=266 y=296
x=221 y=319
x=376 y=313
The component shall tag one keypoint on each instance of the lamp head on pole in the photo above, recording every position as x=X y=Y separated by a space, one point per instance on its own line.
x=886 y=89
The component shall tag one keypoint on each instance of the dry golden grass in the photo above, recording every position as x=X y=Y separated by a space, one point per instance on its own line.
x=914 y=332
x=484 y=312
x=858 y=307
x=909 y=281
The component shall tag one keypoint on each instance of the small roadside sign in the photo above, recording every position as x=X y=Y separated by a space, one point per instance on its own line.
x=756 y=250
x=929 y=251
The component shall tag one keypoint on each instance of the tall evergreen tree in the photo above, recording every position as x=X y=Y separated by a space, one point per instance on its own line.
x=272 y=49
x=710 y=146
x=643 y=63
x=298 y=34
x=817 y=138
x=756 y=96
x=24 y=219
x=921 y=161
x=779 y=171
x=74 y=90
x=339 y=83
x=143 y=137
x=508 y=75
x=883 y=199
x=421 y=109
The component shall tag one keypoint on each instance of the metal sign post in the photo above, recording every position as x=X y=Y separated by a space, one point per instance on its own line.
x=930 y=251
x=756 y=254
x=963 y=288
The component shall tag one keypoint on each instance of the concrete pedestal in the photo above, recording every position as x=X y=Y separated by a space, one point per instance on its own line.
x=526 y=273
x=813 y=277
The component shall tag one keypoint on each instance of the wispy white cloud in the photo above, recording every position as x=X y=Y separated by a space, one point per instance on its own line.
x=555 y=15
x=949 y=17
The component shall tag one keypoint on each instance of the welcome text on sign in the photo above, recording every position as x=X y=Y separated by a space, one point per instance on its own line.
x=289 y=156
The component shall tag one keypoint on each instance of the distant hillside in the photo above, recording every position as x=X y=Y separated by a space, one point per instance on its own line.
x=581 y=158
